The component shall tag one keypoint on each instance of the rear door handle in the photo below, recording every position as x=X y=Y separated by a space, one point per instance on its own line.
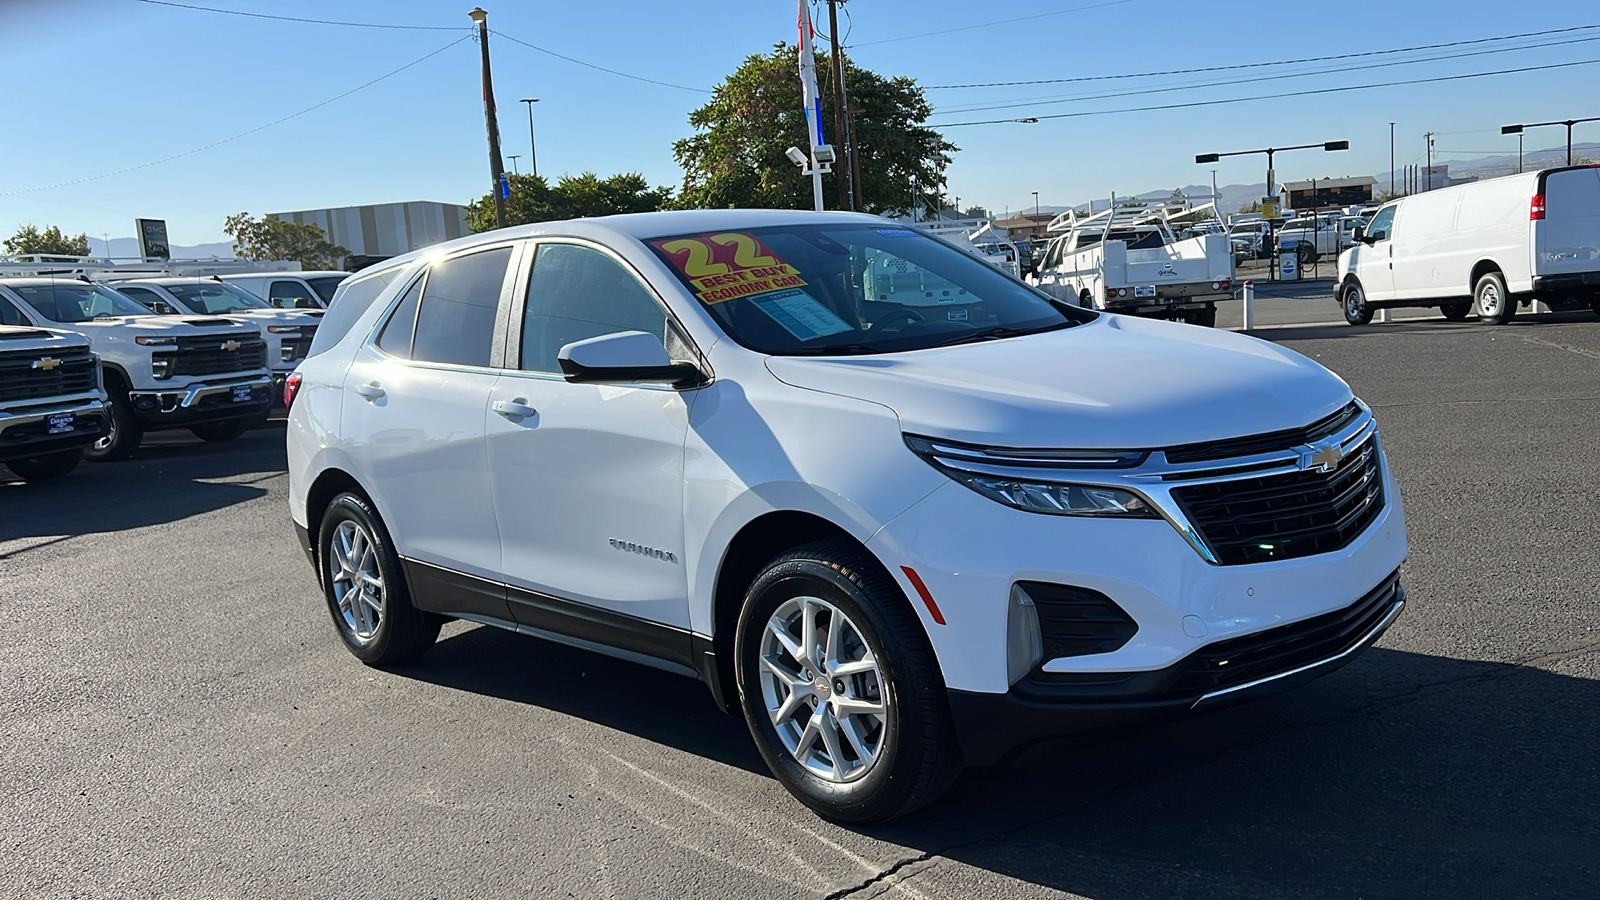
x=514 y=409
x=370 y=391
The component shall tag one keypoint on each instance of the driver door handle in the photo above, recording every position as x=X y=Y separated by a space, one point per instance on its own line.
x=514 y=409
x=370 y=391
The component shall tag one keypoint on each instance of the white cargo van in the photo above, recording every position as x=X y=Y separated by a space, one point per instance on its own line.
x=1487 y=247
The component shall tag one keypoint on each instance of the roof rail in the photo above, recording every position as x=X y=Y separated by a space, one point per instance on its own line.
x=105 y=269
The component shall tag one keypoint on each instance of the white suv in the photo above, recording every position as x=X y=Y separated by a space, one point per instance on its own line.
x=897 y=532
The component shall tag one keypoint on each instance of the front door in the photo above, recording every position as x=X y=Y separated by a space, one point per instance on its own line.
x=1373 y=261
x=588 y=479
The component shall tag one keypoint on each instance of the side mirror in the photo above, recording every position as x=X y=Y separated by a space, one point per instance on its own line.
x=628 y=357
x=1360 y=234
x=305 y=303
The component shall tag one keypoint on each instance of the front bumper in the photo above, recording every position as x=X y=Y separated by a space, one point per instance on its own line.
x=201 y=402
x=25 y=431
x=991 y=725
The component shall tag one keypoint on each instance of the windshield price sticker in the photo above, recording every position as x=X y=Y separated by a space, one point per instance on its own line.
x=801 y=315
x=730 y=265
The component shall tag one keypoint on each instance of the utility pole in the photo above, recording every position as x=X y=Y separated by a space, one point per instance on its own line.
x=840 y=128
x=496 y=167
x=533 y=153
x=1429 y=136
x=1394 y=190
x=1519 y=153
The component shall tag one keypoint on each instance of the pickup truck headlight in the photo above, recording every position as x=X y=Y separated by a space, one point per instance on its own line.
x=284 y=329
x=148 y=341
x=1040 y=493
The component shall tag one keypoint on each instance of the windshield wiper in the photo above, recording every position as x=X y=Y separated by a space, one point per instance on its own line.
x=835 y=350
x=999 y=332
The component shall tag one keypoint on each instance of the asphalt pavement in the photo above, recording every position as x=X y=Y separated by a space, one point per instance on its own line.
x=178 y=718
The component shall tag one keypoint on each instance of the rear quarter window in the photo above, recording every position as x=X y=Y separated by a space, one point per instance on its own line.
x=355 y=297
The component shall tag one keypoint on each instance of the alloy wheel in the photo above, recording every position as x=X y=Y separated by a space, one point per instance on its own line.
x=823 y=689
x=357 y=582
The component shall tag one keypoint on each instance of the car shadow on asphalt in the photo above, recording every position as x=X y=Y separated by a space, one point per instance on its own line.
x=171 y=477
x=661 y=707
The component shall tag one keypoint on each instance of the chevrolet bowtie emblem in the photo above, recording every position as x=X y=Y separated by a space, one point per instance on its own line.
x=230 y=345
x=48 y=363
x=1323 y=457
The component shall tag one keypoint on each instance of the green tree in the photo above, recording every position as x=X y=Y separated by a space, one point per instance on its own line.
x=737 y=157
x=272 y=238
x=30 y=240
x=572 y=197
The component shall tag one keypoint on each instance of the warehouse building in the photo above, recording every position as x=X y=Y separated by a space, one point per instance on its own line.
x=375 y=233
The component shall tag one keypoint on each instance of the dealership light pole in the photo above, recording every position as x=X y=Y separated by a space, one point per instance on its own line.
x=496 y=168
x=1518 y=129
x=1271 y=152
x=514 y=157
x=1394 y=190
x=533 y=153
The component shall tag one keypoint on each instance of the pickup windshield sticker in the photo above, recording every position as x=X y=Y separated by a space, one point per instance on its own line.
x=729 y=265
x=800 y=315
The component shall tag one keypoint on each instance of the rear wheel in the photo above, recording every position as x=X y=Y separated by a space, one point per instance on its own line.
x=1456 y=312
x=1307 y=253
x=365 y=587
x=840 y=689
x=1205 y=318
x=123 y=435
x=50 y=465
x=218 y=432
x=1354 y=301
x=1495 y=304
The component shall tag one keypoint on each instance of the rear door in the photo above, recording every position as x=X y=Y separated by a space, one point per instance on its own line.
x=1567 y=241
x=413 y=422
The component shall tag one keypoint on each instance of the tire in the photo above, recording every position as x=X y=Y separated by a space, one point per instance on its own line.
x=1306 y=252
x=380 y=630
x=220 y=432
x=1354 y=301
x=1595 y=305
x=1494 y=304
x=1456 y=312
x=50 y=465
x=910 y=751
x=1205 y=318
x=125 y=432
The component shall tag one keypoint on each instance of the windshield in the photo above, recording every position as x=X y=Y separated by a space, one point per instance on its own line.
x=215 y=298
x=325 y=285
x=72 y=301
x=838 y=289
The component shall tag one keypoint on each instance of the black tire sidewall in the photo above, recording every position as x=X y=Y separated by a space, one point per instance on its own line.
x=124 y=429
x=1456 y=312
x=887 y=787
x=1364 y=315
x=385 y=646
x=50 y=465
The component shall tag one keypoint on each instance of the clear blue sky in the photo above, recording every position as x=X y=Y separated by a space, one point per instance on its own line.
x=95 y=86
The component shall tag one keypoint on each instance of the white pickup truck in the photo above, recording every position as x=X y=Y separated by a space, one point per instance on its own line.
x=202 y=373
x=51 y=404
x=1126 y=259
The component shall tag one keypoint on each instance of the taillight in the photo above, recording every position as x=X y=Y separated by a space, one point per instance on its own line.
x=291 y=386
x=1536 y=208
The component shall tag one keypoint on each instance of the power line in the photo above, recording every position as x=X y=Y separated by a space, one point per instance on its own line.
x=1281 y=62
x=1307 y=93
x=1059 y=12
x=235 y=12
x=218 y=143
x=681 y=87
x=1164 y=89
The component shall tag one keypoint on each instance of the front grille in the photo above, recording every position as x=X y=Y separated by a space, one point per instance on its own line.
x=23 y=378
x=1273 y=517
x=204 y=355
x=1076 y=621
x=1241 y=660
x=1270 y=442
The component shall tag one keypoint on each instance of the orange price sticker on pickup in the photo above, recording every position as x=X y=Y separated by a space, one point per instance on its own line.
x=729 y=265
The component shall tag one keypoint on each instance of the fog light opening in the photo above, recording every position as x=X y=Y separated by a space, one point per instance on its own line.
x=1024 y=643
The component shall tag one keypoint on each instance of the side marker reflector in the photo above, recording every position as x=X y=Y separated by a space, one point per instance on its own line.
x=922 y=591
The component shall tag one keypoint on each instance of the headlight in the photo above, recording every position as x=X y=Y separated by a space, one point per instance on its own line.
x=148 y=341
x=1057 y=499
x=284 y=329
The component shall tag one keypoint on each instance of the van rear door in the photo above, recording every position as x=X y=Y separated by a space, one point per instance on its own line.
x=1567 y=240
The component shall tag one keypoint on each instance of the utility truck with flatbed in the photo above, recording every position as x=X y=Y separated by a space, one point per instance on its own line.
x=1127 y=259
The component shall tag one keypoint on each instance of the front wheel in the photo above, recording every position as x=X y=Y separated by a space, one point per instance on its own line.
x=1595 y=305
x=50 y=465
x=1495 y=304
x=1354 y=301
x=123 y=435
x=1456 y=312
x=365 y=587
x=840 y=689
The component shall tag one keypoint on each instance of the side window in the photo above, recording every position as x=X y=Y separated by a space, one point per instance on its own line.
x=10 y=315
x=290 y=295
x=396 y=337
x=354 y=299
x=456 y=322
x=1381 y=224
x=577 y=293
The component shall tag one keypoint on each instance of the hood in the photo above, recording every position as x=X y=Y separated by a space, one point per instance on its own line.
x=178 y=325
x=303 y=317
x=1115 y=383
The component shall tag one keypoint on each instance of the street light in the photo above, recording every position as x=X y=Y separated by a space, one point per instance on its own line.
x=1270 y=151
x=514 y=157
x=1518 y=129
x=1036 y=204
x=533 y=154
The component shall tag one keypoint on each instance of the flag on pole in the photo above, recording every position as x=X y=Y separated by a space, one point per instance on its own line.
x=808 y=77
